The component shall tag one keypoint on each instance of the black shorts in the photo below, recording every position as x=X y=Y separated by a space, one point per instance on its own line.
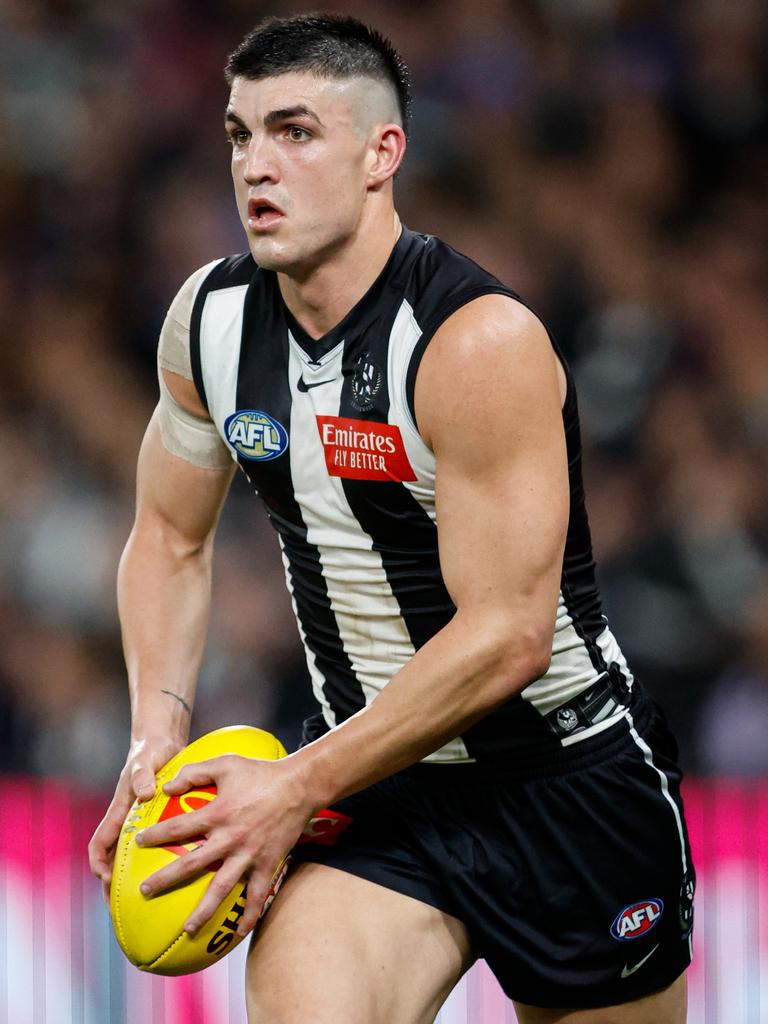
x=575 y=882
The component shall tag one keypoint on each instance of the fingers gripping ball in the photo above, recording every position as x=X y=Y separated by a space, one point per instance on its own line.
x=151 y=931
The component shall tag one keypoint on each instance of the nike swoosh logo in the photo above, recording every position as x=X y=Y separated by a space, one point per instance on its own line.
x=303 y=386
x=627 y=971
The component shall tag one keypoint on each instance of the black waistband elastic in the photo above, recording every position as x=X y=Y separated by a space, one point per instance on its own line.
x=546 y=763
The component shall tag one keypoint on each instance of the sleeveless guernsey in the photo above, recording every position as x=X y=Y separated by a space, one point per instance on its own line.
x=325 y=432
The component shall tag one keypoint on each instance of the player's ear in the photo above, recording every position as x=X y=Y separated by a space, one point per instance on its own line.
x=387 y=149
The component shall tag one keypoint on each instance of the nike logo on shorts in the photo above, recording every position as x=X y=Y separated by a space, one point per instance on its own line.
x=627 y=970
x=303 y=386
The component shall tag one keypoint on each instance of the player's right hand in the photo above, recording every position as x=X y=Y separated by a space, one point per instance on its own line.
x=137 y=780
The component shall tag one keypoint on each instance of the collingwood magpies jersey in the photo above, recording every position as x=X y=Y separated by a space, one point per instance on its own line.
x=325 y=432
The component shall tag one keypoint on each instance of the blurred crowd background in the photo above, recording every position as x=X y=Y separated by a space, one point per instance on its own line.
x=606 y=158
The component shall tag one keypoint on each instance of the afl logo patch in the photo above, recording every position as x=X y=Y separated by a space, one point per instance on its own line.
x=255 y=435
x=637 y=920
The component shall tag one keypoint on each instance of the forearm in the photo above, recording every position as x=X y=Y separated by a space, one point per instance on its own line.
x=461 y=675
x=163 y=601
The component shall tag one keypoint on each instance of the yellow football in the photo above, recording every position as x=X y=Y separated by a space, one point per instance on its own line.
x=151 y=931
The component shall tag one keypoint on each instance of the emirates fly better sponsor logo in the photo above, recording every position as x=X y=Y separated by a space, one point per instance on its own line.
x=361 y=450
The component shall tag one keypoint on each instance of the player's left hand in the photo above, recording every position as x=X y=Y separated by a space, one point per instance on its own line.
x=259 y=812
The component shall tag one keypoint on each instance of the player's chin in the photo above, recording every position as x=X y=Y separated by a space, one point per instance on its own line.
x=273 y=253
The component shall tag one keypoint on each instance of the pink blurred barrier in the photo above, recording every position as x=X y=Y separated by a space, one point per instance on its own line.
x=59 y=963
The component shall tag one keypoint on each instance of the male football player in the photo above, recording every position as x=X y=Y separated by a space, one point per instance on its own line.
x=500 y=785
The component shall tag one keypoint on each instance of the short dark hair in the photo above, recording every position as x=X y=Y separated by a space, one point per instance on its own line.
x=327 y=45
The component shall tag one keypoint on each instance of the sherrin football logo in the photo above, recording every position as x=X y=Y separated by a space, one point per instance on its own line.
x=255 y=435
x=183 y=804
x=637 y=919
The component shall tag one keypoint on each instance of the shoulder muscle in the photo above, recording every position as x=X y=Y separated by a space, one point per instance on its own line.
x=490 y=366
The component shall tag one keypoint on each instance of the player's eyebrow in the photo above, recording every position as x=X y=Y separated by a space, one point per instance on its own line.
x=286 y=113
x=230 y=115
x=275 y=116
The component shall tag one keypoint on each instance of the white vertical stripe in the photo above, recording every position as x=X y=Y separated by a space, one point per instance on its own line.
x=402 y=341
x=612 y=653
x=648 y=757
x=570 y=671
x=221 y=327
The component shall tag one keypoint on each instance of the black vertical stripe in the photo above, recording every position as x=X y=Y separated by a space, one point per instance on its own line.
x=263 y=384
x=194 y=344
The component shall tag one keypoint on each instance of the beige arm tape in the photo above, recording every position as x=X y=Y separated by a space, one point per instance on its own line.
x=189 y=437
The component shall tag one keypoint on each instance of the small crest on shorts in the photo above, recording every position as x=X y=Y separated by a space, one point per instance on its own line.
x=637 y=919
x=687 y=890
x=366 y=383
x=567 y=719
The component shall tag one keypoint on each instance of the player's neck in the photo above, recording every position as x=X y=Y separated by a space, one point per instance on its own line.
x=322 y=298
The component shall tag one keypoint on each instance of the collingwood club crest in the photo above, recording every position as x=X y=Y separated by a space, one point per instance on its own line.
x=366 y=383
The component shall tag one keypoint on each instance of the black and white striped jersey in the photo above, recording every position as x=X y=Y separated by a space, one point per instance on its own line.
x=325 y=431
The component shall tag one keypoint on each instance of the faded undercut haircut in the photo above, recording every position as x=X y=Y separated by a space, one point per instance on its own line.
x=326 y=45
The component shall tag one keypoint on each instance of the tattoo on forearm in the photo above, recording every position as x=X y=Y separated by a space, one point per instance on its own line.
x=181 y=700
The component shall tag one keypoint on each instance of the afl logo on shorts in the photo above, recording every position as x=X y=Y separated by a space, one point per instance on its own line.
x=255 y=435
x=637 y=920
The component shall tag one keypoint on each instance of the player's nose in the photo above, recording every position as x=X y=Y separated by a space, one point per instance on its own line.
x=259 y=165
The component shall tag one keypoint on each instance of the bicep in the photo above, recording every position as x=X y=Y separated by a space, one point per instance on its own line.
x=176 y=496
x=502 y=492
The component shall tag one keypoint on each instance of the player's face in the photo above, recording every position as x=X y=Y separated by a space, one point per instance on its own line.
x=300 y=161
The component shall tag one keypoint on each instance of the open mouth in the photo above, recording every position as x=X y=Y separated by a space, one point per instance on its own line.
x=262 y=213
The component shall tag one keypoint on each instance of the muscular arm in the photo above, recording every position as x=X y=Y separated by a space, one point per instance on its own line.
x=488 y=401
x=163 y=598
x=164 y=584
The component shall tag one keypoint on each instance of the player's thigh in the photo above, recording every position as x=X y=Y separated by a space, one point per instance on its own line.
x=338 y=949
x=665 y=1007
